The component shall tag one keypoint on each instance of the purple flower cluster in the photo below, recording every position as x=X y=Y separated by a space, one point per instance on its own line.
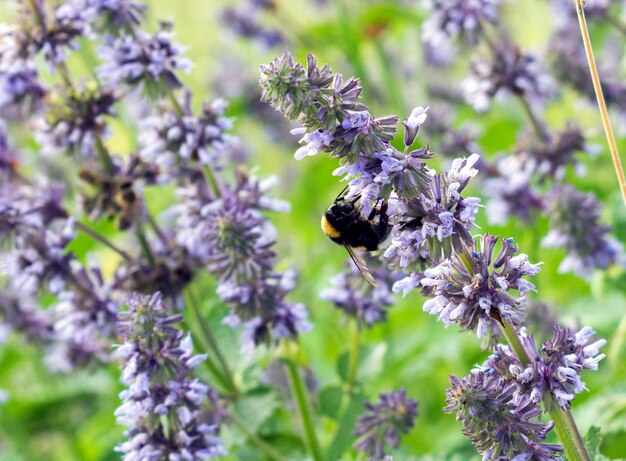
x=471 y=288
x=555 y=369
x=384 y=422
x=229 y=234
x=163 y=406
x=575 y=226
x=75 y=121
x=78 y=326
x=508 y=70
x=245 y=21
x=500 y=423
x=151 y=61
x=450 y=19
x=357 y=298
x=173 y=141
x=427 y=207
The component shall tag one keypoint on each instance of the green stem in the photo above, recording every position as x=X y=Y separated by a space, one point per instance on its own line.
x=37 y=13
x=563 y=421
x=210 y=178
x=105 y=158
x=353 y=368
x=604 y=113
x=172 y=97
x=540 y=130
x=211 y=341
x=566 y=430
x=353 y=354
x=215 y=372
x=102 y=239
x=143 y=242
x=256 y=440
x=299 y=393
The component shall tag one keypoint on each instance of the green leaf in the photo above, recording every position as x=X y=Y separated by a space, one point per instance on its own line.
x=256 y=407
x=330 y=399
x=343 y=437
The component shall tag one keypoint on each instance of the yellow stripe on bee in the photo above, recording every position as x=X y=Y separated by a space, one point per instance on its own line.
x=328 y=229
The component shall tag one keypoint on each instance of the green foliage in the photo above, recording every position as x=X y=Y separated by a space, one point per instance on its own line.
x=70 y=417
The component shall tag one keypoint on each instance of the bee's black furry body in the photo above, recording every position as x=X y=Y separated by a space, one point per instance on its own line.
x=345 y=224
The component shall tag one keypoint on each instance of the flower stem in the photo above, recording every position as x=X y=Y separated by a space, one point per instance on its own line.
x=563 y=421
x=255 y=439
x=604 y=114
x=211 y=341
x=539 y=128
x=102 y=239
x=566 y=430
x=143 y=242
x=299 y=393
x=353 y=355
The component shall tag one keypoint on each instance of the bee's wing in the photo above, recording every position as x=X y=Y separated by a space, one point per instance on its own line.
x=360 y=264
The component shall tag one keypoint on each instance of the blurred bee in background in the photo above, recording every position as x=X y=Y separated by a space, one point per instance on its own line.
x=116 y=195
x=345 y=224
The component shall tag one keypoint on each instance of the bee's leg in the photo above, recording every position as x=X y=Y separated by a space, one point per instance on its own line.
x=374 y=210
x=383 y=221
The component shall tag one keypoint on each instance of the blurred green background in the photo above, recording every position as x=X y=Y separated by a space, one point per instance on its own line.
x=57 y=417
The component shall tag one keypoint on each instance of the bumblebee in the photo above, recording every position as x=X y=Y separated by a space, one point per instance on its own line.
x=115 y=196
x=345 y=224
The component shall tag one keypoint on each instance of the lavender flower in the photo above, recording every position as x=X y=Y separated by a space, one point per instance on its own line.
x=74 y=122
x=84 y=320
x=52 y=35
x=509 y=190
x=118 y=16
x=230 y=235
x=469 y=291
x=509 y=70
x=171 y=268
x=327 y=107
x=19 y=87
x=246 y=23
x=384 y=422
x=570 y=64
x=442 y=218
x=159 y=362
x=548 y=158
x=500 y=424
x=556 y=369
x=20 y=313
x=357 y=298
x=174 y=141
x=450 y=19
x=575 y=226
x=427 y=206
x=142 y=59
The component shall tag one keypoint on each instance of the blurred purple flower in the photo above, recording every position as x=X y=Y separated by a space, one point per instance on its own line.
x=508 y=70
x=450 y=19
x=356 y=298
x=75 y=121
x=575 y=226
x=147 y=60
x=381 y=426
x=174 y=142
